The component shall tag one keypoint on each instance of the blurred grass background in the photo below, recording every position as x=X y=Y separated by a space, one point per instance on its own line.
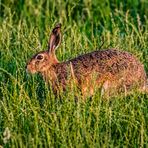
x=34 y=117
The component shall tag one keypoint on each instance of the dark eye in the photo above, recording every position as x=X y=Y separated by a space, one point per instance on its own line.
x=39 y=57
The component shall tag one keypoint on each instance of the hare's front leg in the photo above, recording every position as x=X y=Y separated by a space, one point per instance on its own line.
x=87 y=88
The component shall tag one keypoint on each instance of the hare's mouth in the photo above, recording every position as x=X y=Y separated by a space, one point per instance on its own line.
x=29 y=69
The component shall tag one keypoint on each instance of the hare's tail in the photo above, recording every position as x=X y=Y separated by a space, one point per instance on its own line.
x=145 y=88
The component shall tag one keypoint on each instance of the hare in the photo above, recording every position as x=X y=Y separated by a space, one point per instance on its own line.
x=111 y=70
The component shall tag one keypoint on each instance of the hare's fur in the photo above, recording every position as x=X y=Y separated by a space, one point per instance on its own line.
x=110 y=69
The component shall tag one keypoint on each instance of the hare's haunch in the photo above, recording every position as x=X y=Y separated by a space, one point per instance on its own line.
x=110 y=69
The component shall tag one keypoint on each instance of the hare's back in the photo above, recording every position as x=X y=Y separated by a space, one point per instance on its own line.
x=110 y=61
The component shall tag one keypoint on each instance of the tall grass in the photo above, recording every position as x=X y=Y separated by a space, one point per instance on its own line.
x=30 y=115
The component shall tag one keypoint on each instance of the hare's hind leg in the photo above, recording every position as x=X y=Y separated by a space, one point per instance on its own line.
x=144 y=89
x=104 y=88
x=111 y=88
x=108 y=89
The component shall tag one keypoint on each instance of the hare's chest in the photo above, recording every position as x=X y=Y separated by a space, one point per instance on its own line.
x=58 y=77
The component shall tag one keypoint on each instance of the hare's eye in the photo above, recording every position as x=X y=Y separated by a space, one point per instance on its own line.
x=39 y=57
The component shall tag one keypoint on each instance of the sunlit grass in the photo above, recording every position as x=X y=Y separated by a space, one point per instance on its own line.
x=29 y=112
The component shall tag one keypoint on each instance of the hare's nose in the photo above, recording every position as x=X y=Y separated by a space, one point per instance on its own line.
x=26 y=66
x=26 y=69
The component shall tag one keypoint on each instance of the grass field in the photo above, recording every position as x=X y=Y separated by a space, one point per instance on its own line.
x=30 y=115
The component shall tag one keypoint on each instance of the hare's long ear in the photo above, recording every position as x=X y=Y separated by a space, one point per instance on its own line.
x=55 y=38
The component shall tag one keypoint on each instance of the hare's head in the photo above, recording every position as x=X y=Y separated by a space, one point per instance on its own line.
x=43 y=60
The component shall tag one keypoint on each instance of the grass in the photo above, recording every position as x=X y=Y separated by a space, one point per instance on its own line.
x=30 y=115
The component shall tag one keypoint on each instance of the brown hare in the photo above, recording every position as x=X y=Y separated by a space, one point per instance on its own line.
x=111 y=70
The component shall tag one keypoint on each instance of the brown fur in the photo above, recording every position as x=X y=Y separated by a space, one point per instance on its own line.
x=113 y=70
